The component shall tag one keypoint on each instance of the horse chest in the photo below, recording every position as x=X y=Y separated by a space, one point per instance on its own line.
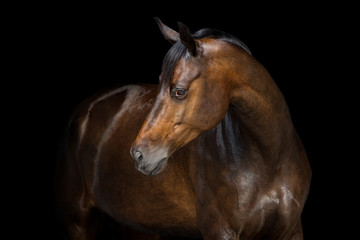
x=159 y=214
x=161 y=203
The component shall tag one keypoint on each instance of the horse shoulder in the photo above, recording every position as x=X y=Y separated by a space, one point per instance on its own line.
x=284 y=199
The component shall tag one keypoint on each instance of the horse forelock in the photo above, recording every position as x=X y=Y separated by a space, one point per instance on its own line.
x=170 y=60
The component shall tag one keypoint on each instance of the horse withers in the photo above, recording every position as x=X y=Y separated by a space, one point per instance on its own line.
x=210 y=152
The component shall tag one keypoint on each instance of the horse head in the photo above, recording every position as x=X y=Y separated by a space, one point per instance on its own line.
x=194 y=96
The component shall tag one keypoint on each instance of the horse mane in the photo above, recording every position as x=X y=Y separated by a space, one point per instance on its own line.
x=218 y=34
x=178 y=49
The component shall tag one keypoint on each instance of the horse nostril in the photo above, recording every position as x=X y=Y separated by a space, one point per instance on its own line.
x=138 y=156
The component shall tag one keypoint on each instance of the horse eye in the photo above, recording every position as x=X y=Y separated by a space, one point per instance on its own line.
x=179 y=93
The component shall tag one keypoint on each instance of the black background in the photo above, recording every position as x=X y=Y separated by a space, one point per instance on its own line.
x=66 y=53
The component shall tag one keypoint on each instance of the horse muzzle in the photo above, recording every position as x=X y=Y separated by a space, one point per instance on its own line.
x=147 y=161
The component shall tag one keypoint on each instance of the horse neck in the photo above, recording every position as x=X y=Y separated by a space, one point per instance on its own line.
x=256 y=135
x=259 y=107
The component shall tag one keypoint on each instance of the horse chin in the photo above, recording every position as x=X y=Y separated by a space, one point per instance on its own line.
x=159 y=167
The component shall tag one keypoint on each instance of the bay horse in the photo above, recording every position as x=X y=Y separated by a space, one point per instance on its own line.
x=210 y=152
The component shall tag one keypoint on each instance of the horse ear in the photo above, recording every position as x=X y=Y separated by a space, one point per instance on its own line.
x=171 y=35
x=186 y=38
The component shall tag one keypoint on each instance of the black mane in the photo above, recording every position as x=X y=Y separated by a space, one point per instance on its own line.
x=218 y=34
x=178 y=50
x=171 y=58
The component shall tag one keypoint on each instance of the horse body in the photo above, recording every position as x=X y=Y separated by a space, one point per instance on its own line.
x=140 y=202
x=238 y=172
x=100 y=172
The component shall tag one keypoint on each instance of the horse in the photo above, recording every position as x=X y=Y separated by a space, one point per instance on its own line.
x=210 y=152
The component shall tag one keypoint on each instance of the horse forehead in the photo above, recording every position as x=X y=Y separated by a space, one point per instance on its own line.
x=185 y=70
x=188 y=67
x=185 y=65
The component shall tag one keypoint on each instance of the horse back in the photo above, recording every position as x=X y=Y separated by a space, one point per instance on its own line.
x=89 y=127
